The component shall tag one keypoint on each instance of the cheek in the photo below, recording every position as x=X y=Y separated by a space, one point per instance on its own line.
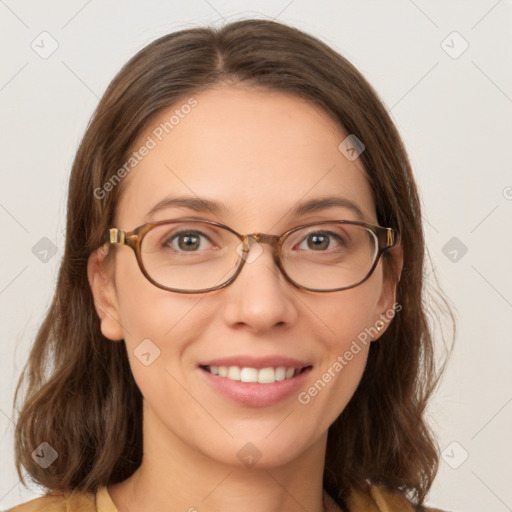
x=156 y=327
x=335 y=380
x=348 y=317
x=145 y=310
x=349 y=314
x=152 y=320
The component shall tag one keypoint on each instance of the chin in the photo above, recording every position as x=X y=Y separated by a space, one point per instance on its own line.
x=259 y=451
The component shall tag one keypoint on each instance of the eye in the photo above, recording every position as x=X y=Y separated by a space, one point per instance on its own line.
x=187 y=241
x=322 y=240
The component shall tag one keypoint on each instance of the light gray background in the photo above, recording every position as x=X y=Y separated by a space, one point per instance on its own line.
x=453 y=113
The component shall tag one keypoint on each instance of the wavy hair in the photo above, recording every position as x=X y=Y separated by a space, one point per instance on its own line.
x=81 y=396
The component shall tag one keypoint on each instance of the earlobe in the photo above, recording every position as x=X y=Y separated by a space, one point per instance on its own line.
x=104 y=296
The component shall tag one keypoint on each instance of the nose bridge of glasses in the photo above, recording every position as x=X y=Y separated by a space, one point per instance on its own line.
x=263 y=238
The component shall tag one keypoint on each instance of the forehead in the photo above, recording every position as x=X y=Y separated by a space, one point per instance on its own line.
x=259 y=154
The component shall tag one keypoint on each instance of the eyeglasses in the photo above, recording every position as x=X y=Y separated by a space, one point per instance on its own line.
x=198 y=256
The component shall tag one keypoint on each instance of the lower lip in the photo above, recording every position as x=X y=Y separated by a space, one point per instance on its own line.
x=254 y=394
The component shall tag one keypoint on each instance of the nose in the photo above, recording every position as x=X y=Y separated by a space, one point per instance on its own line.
x=260 y=297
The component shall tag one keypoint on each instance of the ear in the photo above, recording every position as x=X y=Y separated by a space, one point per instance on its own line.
x=101 y=281
x=386 y=306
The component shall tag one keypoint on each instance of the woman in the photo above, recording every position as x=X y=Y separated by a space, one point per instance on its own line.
x=198 y=368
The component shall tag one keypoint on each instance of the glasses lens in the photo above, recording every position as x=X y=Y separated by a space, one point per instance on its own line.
x=329 y=256
x=190 y=255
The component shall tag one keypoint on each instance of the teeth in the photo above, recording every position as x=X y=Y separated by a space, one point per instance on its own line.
x=248 y=374
x=234 y=373
x=263 y=376
x=280 y=373
x=266 y=376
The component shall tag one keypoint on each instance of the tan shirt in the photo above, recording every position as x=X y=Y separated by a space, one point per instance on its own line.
x=379 y=500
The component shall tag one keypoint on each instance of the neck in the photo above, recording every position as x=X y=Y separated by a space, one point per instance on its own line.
x=175 y=477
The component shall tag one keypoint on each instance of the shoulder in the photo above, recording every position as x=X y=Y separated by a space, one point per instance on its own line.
x=66 y=501
x=381 y=499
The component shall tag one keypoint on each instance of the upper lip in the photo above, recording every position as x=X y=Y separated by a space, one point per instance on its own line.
x=245 y=361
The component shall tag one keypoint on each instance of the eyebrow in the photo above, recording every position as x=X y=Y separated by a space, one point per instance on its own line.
x=202 y=205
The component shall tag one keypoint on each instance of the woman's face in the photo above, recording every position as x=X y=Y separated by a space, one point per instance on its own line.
x=259 y=155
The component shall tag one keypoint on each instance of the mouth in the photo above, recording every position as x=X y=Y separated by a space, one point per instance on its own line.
x=253 y=381
x=268 y=375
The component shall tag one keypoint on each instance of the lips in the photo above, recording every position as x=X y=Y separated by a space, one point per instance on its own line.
x=255 y=382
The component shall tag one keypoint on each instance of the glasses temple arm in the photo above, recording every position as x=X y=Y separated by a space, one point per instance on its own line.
x=113 y=236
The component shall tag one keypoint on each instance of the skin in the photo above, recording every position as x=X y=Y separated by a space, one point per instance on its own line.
x=259 y=153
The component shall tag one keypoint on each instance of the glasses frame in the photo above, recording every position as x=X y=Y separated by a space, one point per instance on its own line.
x=386 y=239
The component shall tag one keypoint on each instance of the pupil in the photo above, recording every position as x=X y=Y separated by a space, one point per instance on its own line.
x=190 y=241
x=318 y=238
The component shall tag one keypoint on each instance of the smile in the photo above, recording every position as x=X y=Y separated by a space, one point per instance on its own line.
x=267 y=375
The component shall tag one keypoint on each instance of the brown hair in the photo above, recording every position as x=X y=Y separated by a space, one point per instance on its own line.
x=89 y=399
